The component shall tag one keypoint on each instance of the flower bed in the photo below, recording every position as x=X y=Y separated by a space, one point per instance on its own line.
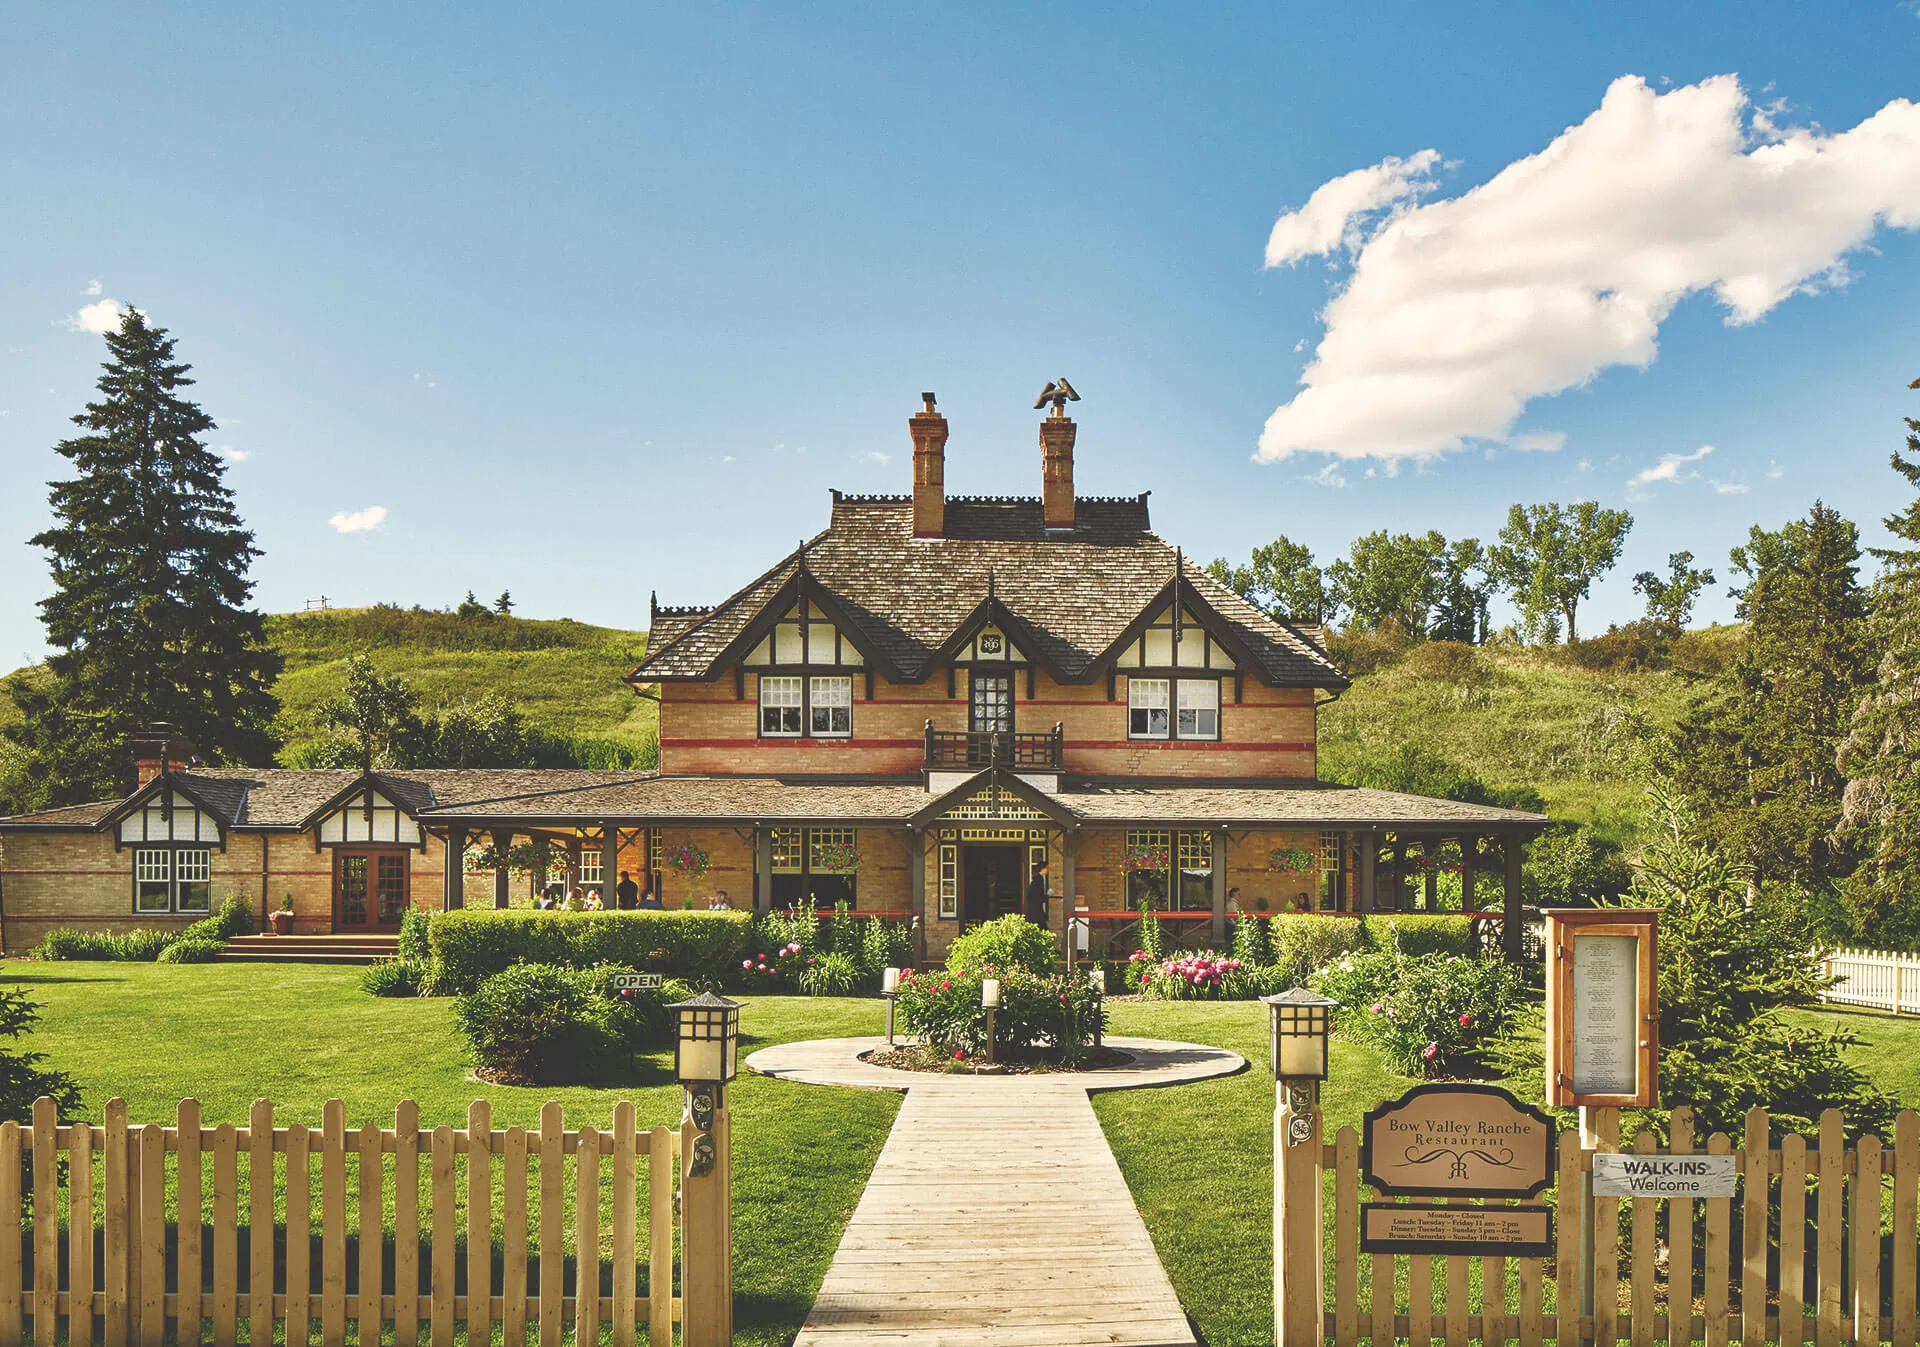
x=1040 y=1017
x=1427 y=1014
x=1205 y=976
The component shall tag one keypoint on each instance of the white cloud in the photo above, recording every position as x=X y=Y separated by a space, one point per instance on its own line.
x=1731 y=488
x=359 y=521
x=101 y=316
x=1774 y=471
x=875 y=456
x=1585 y=465
x=727 y=459
x=1668 y=468
x=1337 y=212
x=231 y=454
x=1461 y=311
x=1329 y=475
x=93 y=288
x=1539 y=441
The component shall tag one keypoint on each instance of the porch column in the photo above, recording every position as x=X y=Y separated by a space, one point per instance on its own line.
x=1069 y=852
x=502 y=844
x=916 y=890
x=541 y=851
x=1430 y=848
x=1510 y=924
x=609 y=865
x=1367 y=898
x=1399 y=872
x=762 y=869
x=573 y=862
x=1219 y=888
x=454 y=884
x=1469 y=862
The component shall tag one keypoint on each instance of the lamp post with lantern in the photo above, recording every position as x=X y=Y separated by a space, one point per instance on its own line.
x=990 y=1002
x=705 y=1058
x=1299 y=1027
x=890 y=989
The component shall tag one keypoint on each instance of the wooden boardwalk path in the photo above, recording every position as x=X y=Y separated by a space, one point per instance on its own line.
x=996 y=1216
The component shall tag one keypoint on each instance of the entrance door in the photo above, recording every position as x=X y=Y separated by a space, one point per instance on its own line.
x=369 y=890
x=990 y=882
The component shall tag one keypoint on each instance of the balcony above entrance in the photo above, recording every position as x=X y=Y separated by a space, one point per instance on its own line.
x=951 y=756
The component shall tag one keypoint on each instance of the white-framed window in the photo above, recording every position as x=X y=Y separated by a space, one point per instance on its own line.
x=1147 y=708
x=830 y=707
x=590 y=858
x=1199 y=708
x=193 y=881
x=780 y=707
x=173 y=880
x=152 y=881
x=949 y=880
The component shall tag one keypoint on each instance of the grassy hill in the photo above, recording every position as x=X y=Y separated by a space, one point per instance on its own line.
x=1524 y=717
x=564 y=674
x=1513 y=717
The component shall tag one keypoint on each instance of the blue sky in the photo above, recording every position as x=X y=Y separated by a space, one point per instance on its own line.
x=603 y=301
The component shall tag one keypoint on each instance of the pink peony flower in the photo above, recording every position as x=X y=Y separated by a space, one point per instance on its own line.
x=746 y=963
x=946 y=986
x=1377 y=1008
x=1466 y=1019
x=959 y=1054
x=1430 y=1051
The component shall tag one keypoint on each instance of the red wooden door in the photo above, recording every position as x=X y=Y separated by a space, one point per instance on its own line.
x=369 y=889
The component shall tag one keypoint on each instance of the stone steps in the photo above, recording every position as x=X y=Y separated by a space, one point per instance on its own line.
x=320 y=949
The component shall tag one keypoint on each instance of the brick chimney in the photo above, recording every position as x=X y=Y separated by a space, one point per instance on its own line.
x=1056 y=467
x=929 y=431
x=160 y=747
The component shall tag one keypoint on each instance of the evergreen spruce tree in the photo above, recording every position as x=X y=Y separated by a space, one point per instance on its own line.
x=148 y=618
x=1761 y=746
x=1880 y=818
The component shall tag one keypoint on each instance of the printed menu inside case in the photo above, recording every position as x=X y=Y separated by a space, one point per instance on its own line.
x=1606 y=1029
x=1516 y=1232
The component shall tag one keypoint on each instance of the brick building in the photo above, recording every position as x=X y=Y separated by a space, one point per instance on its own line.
x=907 y=713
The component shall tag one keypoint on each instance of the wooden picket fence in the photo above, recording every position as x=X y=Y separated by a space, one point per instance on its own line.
x=161 y=1199
x=1875 y=978
x=1849 y=1278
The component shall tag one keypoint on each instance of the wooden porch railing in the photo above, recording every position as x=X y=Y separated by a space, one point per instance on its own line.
x=973 y=750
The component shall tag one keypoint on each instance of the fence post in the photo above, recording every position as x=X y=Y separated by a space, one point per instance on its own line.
x=1299 y=1311
x=706 y=1214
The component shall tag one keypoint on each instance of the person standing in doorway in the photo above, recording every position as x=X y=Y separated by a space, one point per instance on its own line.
x=627 y=892
x=1037 y=894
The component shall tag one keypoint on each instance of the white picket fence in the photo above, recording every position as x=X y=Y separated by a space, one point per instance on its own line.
x=1875 y=978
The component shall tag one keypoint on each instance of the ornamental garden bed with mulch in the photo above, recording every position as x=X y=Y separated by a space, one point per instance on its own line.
x=953 y=1061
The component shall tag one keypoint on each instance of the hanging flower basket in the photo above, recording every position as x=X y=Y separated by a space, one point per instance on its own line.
x=687 y=858
x=1137 y=859
x=1290 y=861
x=838 y=857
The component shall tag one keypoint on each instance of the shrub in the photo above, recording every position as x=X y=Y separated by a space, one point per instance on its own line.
x=834 y=975
x=184 y=950
x=413 y=941
x=636 y=1016
x=1366 y=652
x=1050 y=1016
x=536 y=1024
x=1007 y=942
x=1416 y=933
x=1205 y=976
x=145 y=946
x=698 y=947
x=23 y=1078
x=393 y=977
x=64 y=943
x=1446 y=662
x=233 y=917
x=1307 y=941
x=884 y=945
x=1427 y=1014
x=1250 y=940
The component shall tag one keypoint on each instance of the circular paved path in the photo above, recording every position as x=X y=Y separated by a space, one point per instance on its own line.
x=836 y=1061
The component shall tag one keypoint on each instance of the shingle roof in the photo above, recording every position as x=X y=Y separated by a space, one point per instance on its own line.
x=275 y=797
x=906 y=597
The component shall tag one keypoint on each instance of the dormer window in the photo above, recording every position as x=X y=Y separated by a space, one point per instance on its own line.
x=1173 y=708
x=804 y=635
x=795 y=707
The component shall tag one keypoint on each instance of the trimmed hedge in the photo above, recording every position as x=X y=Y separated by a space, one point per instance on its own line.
x=471 y=944
x=1304 y=942
x=1417 y=933
x=542 y=1024
x=184 y=950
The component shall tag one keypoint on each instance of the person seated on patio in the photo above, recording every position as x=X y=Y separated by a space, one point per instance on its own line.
x=1233 y=901
x=652 y=903
x=719 y=902
x=1302 y=904
x=627 y=892
x=545 y=902
x=593 y=903
x=575 y=901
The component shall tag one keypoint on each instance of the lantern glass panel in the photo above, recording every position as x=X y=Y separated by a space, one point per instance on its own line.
x=990 y=992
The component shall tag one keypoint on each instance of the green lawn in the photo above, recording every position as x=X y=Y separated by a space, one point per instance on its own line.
x=1197 y=1158
x=225 y=1034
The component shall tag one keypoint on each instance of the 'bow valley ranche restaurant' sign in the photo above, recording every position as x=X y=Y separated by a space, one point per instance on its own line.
x=1457 y=1141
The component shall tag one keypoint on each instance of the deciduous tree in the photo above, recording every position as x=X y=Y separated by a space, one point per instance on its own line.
x=1549 y=556
x=1670 y=598
x=1280 y=579
x=1390 y=581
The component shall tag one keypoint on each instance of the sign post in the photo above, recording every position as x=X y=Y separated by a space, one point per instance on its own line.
x=1299 y=1027
x=1603 y=1032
